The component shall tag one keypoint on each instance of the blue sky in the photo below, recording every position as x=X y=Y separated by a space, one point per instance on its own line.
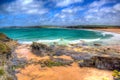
x=59 y=12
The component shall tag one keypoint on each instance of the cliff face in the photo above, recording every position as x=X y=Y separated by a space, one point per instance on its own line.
x=6 y=72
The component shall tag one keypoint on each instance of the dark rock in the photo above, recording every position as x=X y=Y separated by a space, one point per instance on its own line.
x=102 y=62
x=96 y=44
x=40 y=49
x=59 y=52
x=81 y=56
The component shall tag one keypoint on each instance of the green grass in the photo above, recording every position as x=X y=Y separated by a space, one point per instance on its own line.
x=2 y=72
x=50 y=63
x=4 y=48
x=116 y=74
x=3 y=37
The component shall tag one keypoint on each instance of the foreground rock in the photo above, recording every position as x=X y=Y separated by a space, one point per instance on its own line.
x=100 y=57
x=102 y=62
x=6 y=71
x=57 y=71
x=40 y=49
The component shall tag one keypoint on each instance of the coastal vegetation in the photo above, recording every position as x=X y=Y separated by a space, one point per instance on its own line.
x=4 y=48
x=2 y=72
x=6 y=73
x=51 y=63
x=4 y=38
x=75 y=27
x=116 y=75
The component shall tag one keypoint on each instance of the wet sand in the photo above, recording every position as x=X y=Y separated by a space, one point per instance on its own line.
x=73 y=72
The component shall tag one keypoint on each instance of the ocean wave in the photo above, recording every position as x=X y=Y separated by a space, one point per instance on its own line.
x=61 y=41
x=115 y=39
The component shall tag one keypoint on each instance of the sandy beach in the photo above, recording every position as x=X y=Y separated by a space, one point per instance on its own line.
x=116 y=30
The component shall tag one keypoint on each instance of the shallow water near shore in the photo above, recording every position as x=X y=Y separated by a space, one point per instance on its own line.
x=57 y=35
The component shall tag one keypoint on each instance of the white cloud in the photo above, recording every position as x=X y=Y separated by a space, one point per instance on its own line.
x=103 y=15
x=117 y=7
x=63 y=3
x=95 y=13
x=72 y=9
x=100 y=3
x=68 y=12
x=25 y=6
x=97 y=3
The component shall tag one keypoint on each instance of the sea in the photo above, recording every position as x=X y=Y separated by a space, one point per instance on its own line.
x=60 y=36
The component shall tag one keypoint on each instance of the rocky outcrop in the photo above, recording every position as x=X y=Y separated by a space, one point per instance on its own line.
x=40 y=49
x=102 y=62
x=4 y=38
x=98 y=57
x=6 y=71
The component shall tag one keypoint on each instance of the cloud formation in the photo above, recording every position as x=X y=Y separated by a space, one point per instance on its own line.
x=60 y=12
x=25 y=7
x=62 y=3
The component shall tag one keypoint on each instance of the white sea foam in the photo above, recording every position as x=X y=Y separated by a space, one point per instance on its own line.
x=25 y=42
x=61 y=41
x=115 y=39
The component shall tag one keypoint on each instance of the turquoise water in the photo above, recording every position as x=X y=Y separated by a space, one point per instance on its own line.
x=49 y=35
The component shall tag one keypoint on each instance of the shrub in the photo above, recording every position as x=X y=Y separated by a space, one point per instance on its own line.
x=4 y=48
x=10 y=78
x=3 y=37
x=50 y=63
x=1 y=72
x=116 y=75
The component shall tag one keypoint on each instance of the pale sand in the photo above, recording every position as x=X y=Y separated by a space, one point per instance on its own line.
x=74 y=72
x=110 y=30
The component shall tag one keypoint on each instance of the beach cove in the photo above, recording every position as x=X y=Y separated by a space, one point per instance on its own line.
x=60 y=36
x=41 y=60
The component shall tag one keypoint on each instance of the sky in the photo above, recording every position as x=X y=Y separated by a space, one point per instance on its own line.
x=59 y=12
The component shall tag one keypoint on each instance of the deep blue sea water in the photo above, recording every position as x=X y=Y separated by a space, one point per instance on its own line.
x=49 y=35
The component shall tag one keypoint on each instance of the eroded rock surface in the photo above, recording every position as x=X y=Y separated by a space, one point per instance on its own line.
x=102 y=62
x=6 y=71
x=99 y=57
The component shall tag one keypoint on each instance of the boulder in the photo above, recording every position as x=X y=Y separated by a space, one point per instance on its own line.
x=40 y=49
x=102 y=62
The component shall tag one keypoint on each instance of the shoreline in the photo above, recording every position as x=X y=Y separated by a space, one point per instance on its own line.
x=109 y=30
x=31 y=62
x=29 y=66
